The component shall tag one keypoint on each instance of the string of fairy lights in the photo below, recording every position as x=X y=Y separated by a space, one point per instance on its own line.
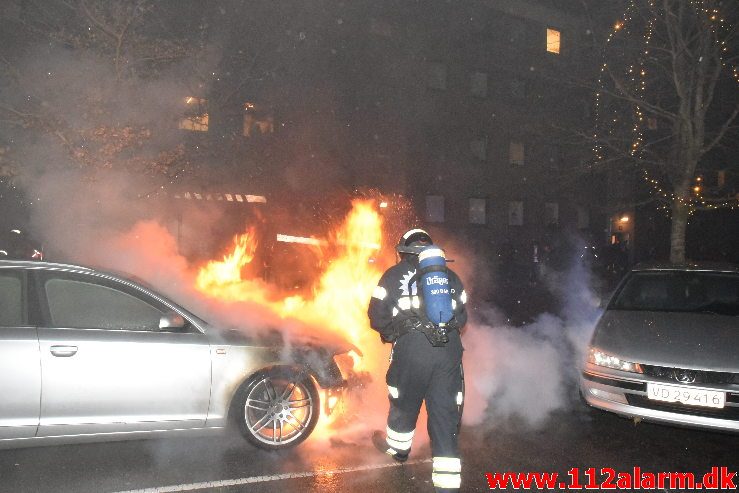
x=636 y=75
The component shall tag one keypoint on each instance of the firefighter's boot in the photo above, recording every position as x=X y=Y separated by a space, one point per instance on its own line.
x=380 y=443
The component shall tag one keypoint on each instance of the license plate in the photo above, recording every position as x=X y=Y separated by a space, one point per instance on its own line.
x=685 y=395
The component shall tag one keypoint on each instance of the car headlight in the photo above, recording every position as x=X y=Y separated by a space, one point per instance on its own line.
x=598 y=357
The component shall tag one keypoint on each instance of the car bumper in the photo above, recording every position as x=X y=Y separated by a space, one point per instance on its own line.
x=627 y=396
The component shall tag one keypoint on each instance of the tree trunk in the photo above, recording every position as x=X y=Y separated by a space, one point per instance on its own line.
x=679 y=224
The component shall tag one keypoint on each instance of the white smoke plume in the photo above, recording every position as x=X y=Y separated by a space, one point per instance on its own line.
x=525 y=373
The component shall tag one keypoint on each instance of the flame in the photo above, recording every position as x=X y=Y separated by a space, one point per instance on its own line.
x=339 y=300
x=344 y=291
x=340 y=296
x=219 y=278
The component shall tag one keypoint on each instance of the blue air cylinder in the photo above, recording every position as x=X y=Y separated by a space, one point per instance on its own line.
x=434 y=282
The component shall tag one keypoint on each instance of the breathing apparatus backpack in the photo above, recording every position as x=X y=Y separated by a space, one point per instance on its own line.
x=432 y=278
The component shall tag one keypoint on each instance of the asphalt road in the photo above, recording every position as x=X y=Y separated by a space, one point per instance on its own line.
x=577 y=438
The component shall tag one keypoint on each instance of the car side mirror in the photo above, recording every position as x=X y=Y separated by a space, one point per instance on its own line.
x=171 y=320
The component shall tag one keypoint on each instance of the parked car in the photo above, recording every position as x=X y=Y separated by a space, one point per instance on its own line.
x=665 y=348
x=92 y=356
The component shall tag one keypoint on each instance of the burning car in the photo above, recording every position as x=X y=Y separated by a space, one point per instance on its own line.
x=88 y=355
x=665 y=347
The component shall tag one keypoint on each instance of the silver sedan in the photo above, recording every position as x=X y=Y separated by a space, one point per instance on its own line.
x=92 y=356
x=665 y=349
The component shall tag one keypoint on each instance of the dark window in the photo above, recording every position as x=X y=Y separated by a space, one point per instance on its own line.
x=477 y=211
x=11 y=300
x=479 y=148
x=516 y=153
x=79 y=304
x=479 y=84
x=437 y=76
x=551 y=213
x=435 y=208
x=515 y=213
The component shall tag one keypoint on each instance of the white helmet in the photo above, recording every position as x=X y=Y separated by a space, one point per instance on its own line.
x=413 y=241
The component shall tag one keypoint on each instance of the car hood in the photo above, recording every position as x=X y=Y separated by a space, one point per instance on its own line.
x=683 y=340
x=276 y=338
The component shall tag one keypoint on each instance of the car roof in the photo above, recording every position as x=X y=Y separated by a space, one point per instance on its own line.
x=57 y=266
x=125 y=278
x=34 y=264
x=687 y=267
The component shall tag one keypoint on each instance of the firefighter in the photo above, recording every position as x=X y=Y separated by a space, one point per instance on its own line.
x=424 y=364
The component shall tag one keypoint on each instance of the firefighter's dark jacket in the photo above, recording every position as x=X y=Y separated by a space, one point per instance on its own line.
x=396 y=299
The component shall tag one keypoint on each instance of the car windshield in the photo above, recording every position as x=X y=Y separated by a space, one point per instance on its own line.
x=680 y=291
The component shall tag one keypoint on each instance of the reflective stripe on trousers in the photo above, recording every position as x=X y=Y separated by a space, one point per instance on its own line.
x=447 y=472
x=399 y=441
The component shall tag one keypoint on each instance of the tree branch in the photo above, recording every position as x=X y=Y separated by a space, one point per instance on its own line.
x=722 y=131
x=105 y=29
x=625 y=95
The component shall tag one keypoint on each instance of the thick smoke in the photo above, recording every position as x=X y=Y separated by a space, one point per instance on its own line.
x=525 y=373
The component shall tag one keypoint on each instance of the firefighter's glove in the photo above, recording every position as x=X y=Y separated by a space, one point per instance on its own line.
x=399 y=328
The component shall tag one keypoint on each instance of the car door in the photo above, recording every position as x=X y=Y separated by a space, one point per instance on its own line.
x=20 y=372
x=106 y=365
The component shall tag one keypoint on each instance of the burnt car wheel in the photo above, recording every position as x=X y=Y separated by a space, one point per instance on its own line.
x=278 y=408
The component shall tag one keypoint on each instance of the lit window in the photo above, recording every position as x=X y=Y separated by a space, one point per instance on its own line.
x=551 y=213
x=437 y=76
x=196 y=115
x=516 y=154
x=479 y=84
x=553 y=40
x=256 y=122
x=515 y=213
x=477 y=211
x=435 y=208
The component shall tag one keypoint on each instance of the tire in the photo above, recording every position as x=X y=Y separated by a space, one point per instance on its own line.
x=277 y=408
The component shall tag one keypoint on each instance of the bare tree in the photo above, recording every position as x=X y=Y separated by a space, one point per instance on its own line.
x=667 y=100
x=111 y=50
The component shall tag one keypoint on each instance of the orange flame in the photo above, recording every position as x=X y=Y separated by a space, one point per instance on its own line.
x=221 y=279
x=339 y=301
x=340 y=296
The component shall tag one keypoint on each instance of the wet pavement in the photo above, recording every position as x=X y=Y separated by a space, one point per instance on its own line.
x=577 y=438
